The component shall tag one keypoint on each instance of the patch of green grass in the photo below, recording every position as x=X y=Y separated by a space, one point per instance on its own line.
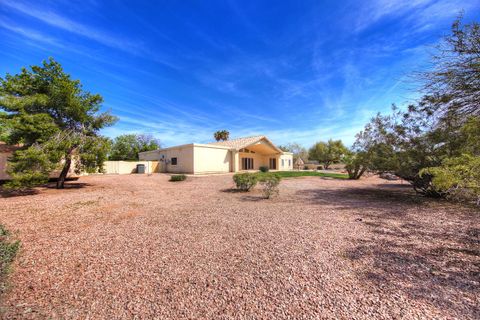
x=294 y=174
x=8 y=250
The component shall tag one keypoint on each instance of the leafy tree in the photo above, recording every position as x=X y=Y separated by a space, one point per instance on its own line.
x=452 y=85
x=221 y=135
x=432 y=144
x=328 y=153
x=3 y=127
x=297 y=149
x=127 y=146
x=457 y=178
x=356 y=163
x=400 y=143
x=55 y=121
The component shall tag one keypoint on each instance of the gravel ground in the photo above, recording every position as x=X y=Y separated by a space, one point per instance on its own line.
x=122 y=247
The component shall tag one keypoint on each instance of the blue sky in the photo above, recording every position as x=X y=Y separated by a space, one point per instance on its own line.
x=296 y=71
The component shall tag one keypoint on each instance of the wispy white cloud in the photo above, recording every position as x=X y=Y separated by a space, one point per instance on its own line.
x=223 y=82
x=420 y=14
x=373 y=11
x=53 y=45
x=28 y=33
x=62 y=22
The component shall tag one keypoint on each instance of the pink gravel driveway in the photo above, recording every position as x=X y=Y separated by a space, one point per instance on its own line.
x=123 y=247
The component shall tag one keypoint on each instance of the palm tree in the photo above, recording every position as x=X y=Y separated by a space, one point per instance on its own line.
x=221 y=135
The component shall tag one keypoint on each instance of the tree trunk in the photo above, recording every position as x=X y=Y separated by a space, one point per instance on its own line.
x=362 y=171
x=63 y=174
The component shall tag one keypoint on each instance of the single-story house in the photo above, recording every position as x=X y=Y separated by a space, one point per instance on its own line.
x=235 y=155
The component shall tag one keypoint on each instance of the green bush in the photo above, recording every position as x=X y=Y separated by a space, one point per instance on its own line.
x=178 y=177
x=270 y=183
x=245 y=181
x=8 y=250
x=263 y=169
x=457 y=178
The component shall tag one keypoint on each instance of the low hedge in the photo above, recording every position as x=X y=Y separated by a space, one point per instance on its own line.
x=269 y=181
x=178 y=177
x=245 y=181
x=263 y=169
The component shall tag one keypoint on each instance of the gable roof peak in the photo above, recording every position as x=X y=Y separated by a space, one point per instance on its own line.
x=242 y=142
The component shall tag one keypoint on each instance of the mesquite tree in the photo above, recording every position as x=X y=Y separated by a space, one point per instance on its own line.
x=55 y=122
x=435 y=143
x=327 y=153
x=127 y=146
x=452 y=85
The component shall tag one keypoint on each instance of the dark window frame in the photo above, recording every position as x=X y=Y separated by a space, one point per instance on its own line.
x=247 y=163
x=174 y=161
x=272 y=163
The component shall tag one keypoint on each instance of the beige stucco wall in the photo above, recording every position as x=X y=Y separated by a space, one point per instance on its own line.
x=204 y=158
x=184 y=155
x=264 y=160
x=287 y=162
x=211 y=160
x=192 y=158
x=149 y=155
x=258 y=159
x=127 y=167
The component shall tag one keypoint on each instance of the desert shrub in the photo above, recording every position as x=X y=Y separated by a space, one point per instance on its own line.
x=245 y=181
x=8 y=250
x=269 y=184
x=178 y=177
x=458 y=178
x=263 y=168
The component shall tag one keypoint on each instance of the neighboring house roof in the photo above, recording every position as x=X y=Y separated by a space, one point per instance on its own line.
x=244 y=142
x=299 y=162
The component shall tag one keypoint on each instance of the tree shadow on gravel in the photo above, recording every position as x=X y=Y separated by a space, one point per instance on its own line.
x=248 y=196
x=34 y=191
x=253 y=198
x=17 y=193
x=430 y=257
x=232 y=190
x=71 y=185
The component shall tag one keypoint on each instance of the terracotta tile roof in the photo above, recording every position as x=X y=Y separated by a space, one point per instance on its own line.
x=238 y=143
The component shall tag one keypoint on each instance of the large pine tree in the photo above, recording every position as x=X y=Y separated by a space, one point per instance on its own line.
x=54 y=120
